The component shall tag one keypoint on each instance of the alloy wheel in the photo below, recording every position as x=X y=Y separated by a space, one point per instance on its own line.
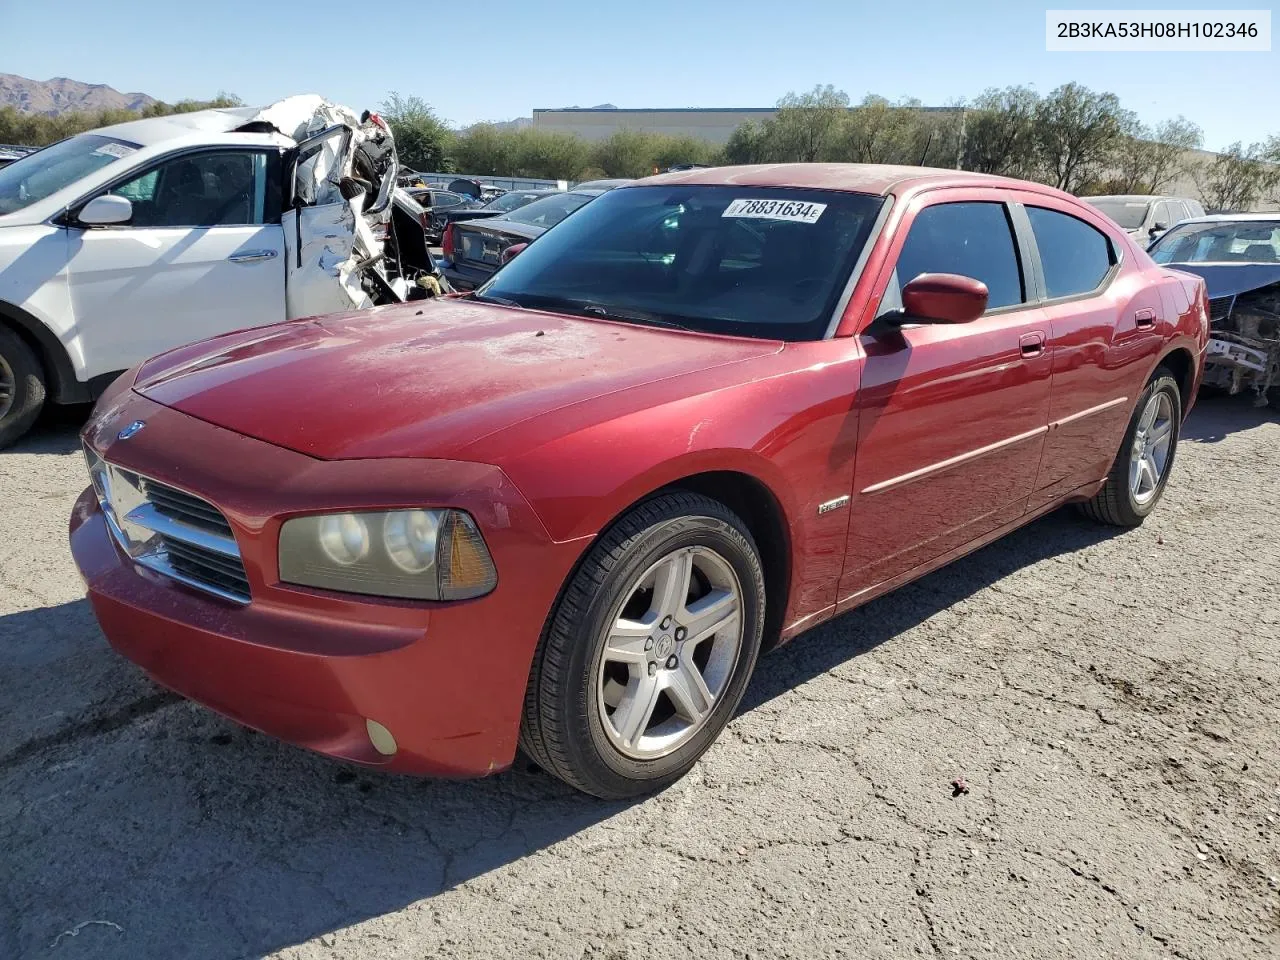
x=671 y=648
x=1152 y=445
x=8 y=387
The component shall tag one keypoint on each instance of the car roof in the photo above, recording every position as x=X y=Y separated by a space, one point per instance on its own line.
x=155 y=130
x=879 y=179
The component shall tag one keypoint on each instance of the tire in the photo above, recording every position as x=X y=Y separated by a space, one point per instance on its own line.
x=569 y=725
x=1118 y=503
x=22 y=388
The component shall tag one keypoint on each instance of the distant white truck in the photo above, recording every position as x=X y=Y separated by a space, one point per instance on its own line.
x=126 y=241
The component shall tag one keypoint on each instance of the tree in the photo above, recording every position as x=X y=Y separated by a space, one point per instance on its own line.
x=1236 y=178
x=1149 y=160
x=38 y=129
x=422 y=139
x=1000 y=133
x=806 y=126
x=876 y=131
x=1077 y=134
x=746 y=144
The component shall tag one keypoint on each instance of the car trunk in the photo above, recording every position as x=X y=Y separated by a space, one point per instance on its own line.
x=481 y=244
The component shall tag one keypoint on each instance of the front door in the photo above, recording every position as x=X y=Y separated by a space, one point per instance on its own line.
x=952 y=417
x=201 y=256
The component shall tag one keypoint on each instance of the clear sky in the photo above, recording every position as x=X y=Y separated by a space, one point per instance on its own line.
x=495 y=61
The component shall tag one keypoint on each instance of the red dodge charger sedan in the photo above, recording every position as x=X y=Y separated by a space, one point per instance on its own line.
x=566 y=511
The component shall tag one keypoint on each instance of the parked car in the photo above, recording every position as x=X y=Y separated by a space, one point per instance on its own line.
x=127 y=240
x=1145 y=218
x=499 y=206
x=703 y=414
x=436 y=201
x=1238 y=255
x=11 y=152
x=471 y=251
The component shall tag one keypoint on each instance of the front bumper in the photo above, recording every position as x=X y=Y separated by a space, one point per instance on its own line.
x=308 y=666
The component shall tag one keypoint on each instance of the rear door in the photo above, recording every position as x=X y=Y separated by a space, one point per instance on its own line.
x=203 y=254
x=1107 y=324
x=952 y=417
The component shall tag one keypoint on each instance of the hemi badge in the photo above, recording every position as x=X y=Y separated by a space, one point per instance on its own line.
x=835 y=504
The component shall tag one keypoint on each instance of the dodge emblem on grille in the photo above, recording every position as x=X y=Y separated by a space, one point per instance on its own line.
x=130 y=430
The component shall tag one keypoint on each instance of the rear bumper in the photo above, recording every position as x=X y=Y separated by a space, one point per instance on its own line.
x=312 y=667
x=466 y=277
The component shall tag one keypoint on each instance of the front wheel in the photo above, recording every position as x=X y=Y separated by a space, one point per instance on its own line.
x=22 y=388
x=1141 y=469
x=649 y=651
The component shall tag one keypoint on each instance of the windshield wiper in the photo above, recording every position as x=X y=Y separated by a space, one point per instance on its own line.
x=501 y=301
x=630 y=316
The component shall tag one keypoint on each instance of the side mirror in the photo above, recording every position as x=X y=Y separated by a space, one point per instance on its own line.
x=105 y=210
x=944 y=298
x=511 y=252
x=1158 y=227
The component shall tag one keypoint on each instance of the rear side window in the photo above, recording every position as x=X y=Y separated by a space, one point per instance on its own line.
x=971 y=239
x=1075 y=257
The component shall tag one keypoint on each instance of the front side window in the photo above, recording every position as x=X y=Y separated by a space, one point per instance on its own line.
x=1075 y=257
x=768 y=262
x=222 y=188
x=43 y=173
x=970 y=239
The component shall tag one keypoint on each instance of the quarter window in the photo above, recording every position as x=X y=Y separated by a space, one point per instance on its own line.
x=970 y=239
x=222 y=188
x=1075 y=257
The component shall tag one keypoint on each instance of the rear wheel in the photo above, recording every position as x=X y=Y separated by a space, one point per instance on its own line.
x=649 y=651
x=1141 y=469
x=22 y=389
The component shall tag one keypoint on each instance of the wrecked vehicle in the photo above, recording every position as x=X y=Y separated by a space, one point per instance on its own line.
x=122 y=242
x=1238 y=255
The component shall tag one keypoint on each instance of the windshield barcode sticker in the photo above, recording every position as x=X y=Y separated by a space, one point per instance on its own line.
x=798 y=211
x=117 y=150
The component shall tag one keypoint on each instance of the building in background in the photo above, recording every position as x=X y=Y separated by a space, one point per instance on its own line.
x=713 y=124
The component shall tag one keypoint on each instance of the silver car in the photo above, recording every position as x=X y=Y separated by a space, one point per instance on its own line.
x=1144 y=217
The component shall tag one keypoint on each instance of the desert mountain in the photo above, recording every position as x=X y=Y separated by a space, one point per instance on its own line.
x=60 y=95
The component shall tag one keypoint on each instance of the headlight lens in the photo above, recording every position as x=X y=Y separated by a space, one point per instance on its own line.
x=415 y=554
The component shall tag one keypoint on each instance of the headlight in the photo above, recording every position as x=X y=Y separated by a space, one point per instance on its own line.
x=417 y=554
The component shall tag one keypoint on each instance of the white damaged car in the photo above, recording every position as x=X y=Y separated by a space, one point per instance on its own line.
x=128 y=240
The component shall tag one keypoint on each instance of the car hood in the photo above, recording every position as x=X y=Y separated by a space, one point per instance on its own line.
x=1229 y=279
x=425 y=379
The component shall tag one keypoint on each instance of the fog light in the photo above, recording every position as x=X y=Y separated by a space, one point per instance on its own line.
x=381 y=738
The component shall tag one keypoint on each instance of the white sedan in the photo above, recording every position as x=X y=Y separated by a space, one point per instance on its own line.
x=128 y=240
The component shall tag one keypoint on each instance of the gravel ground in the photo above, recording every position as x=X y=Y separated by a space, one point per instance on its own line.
x=1113 y=701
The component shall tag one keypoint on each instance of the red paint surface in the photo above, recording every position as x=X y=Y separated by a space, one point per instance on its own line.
x=546 y=428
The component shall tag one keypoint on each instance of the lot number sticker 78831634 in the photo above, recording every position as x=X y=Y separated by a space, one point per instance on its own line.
x=798 y=211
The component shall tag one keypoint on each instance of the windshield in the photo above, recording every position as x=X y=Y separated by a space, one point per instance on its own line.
x=766 y=262
x=1130 y=214
x=549 y=211
x=45 y=172
x=510 y=201
x=1240 y=241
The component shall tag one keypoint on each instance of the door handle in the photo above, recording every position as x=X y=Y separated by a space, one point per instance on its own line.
x=1031 y=344
x=252 y=256
x=1145 y=318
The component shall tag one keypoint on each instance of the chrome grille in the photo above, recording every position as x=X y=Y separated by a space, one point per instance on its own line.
x=185 y=508
x=1219 y=308
x=170 y=531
